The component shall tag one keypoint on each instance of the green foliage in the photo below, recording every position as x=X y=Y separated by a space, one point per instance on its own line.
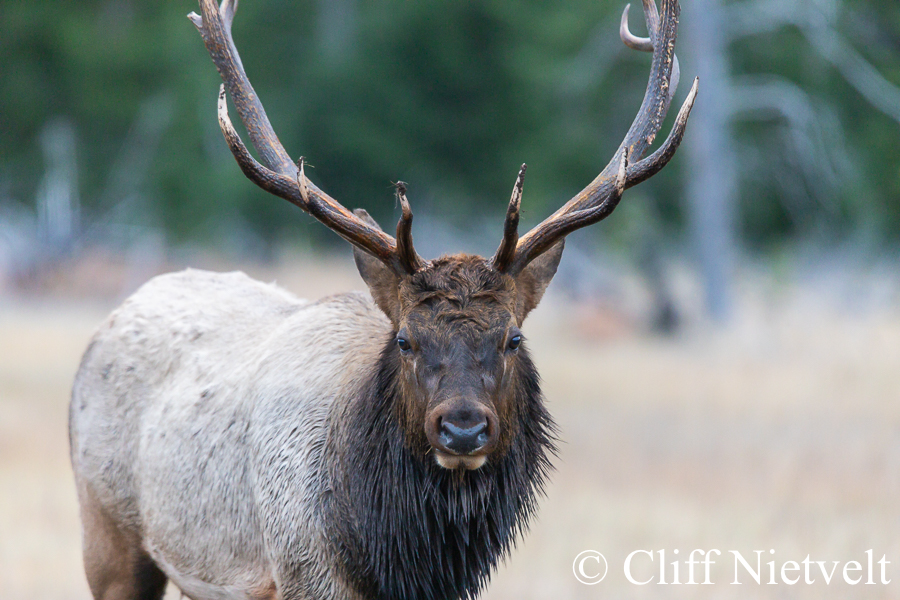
x=449 y=96
x=866 y=196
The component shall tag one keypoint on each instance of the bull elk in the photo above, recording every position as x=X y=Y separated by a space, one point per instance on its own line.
x=249 y=445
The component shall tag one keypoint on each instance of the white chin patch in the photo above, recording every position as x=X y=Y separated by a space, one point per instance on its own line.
x=449 y=461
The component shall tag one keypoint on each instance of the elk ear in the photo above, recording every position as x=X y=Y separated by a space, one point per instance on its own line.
x=532 y=282
x=383 y=283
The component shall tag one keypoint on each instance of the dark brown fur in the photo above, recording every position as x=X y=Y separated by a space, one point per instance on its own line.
x=403 y=526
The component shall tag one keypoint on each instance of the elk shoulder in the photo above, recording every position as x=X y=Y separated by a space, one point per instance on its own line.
x=198 y=383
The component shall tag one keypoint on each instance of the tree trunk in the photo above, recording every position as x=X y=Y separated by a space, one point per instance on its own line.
x=711 y=176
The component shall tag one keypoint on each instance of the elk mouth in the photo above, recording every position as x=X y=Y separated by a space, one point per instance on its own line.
x=454 y=461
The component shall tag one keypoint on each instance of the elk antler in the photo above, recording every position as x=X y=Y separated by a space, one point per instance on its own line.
x=280 y=175
x=626 y=169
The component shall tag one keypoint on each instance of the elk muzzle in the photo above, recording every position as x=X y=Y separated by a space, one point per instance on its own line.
x=462 y=433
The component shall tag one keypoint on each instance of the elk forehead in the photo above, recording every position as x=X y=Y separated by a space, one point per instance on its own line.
x=458 y=288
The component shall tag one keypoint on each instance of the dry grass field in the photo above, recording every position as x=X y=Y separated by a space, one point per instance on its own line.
x=780 y=431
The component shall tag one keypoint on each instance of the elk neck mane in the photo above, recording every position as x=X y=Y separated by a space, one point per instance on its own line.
x=402 y=526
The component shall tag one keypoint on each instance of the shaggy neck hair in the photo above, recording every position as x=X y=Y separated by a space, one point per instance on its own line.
x=405 y=528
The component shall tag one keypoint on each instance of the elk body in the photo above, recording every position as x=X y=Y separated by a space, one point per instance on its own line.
x=250 y=445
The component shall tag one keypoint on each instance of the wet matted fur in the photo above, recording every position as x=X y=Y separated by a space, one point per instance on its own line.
x=406 y=528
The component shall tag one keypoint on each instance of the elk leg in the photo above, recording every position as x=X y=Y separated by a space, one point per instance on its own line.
x=116 y=566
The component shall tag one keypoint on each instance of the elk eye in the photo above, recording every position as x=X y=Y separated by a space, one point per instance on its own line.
x=404 y=344
x=514 y=342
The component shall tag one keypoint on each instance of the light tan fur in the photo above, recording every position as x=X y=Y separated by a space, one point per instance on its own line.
x=194 y=386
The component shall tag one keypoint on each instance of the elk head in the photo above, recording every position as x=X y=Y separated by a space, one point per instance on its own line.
x=456 y=319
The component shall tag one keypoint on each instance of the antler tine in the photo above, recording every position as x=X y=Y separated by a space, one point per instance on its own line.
x=650 y=166
x=215 y=29
x=409 y=258
x=602 y=195
x=280 y=176
x=565 y=224
x=506 y=252
x=644 y=44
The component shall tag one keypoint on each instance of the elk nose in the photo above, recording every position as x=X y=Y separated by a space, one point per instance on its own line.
x=464 y=440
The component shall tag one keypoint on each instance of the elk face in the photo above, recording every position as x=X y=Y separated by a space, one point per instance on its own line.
x=458 y=341
x=460 y=351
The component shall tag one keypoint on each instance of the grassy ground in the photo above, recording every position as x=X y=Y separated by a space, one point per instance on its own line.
x=781 y=431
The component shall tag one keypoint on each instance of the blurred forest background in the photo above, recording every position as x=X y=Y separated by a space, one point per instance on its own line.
x=108 y=134
x=770 y=246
